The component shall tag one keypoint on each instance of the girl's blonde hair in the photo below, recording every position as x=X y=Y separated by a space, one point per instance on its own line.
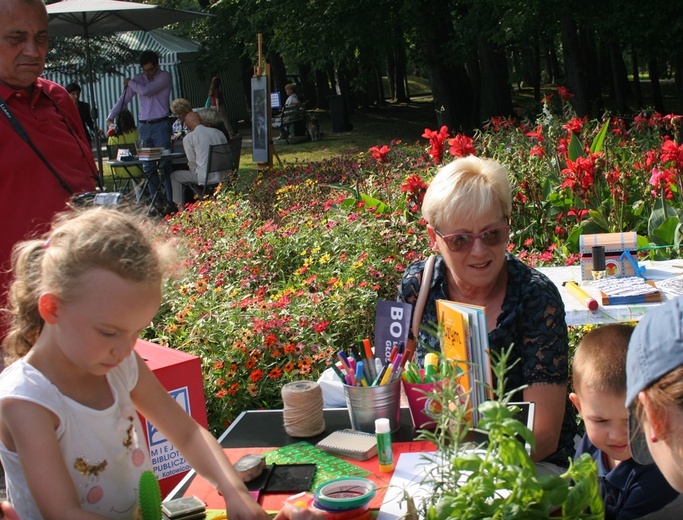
x=79 y=240
x=467 y=188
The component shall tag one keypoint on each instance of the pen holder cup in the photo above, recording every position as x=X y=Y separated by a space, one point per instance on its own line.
x=367 y=403
x=423 y=409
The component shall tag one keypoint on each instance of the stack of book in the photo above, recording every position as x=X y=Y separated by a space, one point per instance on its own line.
x=150 y=153
x=466 y=342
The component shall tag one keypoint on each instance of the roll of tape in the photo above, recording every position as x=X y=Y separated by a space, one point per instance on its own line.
x=344 y=493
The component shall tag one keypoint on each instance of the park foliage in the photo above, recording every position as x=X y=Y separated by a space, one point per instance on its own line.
x=278 y=279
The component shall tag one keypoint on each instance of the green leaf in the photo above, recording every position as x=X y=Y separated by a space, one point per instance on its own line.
x=599 y=141
x=575 y=148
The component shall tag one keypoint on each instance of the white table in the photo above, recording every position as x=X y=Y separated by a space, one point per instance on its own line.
x=578 y=314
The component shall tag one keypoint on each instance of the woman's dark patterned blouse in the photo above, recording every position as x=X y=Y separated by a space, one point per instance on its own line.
x=532 y=318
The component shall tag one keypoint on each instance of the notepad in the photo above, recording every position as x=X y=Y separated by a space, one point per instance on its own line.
x=350 y=443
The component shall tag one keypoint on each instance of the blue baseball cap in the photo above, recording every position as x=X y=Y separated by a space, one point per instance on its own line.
x=655 y=349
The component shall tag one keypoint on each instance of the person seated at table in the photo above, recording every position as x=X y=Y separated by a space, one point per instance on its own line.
x=197 y=146
x=180 y=107
x=125 y=132
x=212 y=118
x=467 y=208
x=629 y=489
x=284 y=122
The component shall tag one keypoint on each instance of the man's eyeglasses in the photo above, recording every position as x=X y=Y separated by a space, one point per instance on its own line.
x=150 y=70
x=458 y=242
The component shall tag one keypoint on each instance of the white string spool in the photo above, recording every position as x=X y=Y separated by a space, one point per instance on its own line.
x=302 y=412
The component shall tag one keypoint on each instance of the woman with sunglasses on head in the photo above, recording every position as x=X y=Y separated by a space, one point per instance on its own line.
x=467 y=208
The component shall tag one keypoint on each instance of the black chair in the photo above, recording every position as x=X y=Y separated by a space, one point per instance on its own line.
x=220 y=165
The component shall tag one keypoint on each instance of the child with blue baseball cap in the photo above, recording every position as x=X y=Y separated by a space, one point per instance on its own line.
x=654 y=393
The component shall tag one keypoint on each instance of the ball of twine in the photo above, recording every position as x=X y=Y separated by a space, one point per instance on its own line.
x=303 y=409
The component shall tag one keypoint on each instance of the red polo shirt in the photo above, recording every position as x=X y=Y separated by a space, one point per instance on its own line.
x=30 y=195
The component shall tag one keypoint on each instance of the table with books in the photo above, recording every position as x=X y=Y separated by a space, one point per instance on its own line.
x=667 y=276
x=156 y=155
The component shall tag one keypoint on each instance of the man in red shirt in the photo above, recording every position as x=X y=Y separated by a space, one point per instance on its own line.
x=30 y=193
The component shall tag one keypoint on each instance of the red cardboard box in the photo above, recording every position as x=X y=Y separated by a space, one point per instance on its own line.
x=181 y=375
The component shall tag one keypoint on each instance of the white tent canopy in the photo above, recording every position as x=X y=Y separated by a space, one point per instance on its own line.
x=178 y=56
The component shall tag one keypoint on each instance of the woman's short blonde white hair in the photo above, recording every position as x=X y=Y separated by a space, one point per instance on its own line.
x=465 y=189
x=180 y=106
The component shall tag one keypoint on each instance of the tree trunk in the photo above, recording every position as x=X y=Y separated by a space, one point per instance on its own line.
x=322 y=89
x=391 y=74
x=591 y=72
x=401 y=93
x=619 y=78
x=636 y=79
x=679 y=76
x=308 y=85
x=496 y=99
x=573 y=64
x=657 y=99
x=553 y=68
x=278 y=73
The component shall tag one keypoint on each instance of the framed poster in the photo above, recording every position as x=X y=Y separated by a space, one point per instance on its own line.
x=260 y=125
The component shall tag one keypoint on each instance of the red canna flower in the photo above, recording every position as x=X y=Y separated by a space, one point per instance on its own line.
x=380 y=154
x=461 y=146
x=672 y=153
x=662 y=180
x=537 y=151
x=536 y=134
x=564 y=93
x=436 y=142
x=574 y=126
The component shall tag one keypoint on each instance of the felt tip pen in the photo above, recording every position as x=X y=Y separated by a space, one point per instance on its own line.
x=345 y=362
x=338 y=372
x=394 y=352
x=387 y=375
x=581 y=295
x=360 y=376
x=367 y=348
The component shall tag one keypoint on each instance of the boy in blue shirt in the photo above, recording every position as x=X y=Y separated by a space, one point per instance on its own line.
x=629 y=490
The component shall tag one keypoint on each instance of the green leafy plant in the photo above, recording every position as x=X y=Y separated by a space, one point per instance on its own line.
x=498 y=479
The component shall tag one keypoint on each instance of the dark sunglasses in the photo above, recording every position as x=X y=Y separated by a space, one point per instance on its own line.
x=458 y=242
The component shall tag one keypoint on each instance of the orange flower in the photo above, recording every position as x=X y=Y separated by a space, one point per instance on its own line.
x=218 y=365
x=256 y=375
x=288 y=367
x=221 y=393
x=233 y=388
x=290 y=348
x=275 y=373
x=252 y=390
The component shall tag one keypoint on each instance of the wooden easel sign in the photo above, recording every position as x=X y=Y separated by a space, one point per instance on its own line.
x=260 y=122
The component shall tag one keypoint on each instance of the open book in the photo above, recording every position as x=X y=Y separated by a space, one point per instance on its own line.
x=466 y=341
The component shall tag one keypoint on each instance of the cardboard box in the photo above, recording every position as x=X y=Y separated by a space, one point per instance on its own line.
x=615 y=244
x=181 y=375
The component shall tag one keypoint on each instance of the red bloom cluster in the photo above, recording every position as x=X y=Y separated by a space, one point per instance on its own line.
x=380 y=154
x=564 y=93
x=662 y=180
x=579 y=175
x=461 y=146
x=436 y=142
x=414 y=188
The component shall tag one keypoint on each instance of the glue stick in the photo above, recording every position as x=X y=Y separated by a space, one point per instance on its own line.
x=384 y=448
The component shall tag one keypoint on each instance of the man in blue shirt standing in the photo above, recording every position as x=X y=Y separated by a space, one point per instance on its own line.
x=153 y=88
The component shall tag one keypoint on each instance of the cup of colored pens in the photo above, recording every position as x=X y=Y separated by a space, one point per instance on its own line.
x=372 y=390
x=419 y=384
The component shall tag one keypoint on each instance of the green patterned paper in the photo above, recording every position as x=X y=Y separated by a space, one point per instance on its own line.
x=328 y=466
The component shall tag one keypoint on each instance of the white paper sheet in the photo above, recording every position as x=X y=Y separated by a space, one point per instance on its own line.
x=409 y=474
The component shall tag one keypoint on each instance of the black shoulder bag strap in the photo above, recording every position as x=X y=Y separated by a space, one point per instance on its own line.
x=22 y=133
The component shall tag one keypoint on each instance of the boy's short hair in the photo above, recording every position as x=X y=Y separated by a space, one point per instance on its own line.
x=600 y=360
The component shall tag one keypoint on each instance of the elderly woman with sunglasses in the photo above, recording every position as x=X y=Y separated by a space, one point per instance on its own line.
x=467 y=208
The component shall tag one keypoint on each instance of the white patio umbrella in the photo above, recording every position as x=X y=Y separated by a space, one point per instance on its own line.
x=87 y=17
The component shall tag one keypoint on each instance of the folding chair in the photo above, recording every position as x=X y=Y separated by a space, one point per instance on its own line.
x=220 y=164
x=128 y=175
